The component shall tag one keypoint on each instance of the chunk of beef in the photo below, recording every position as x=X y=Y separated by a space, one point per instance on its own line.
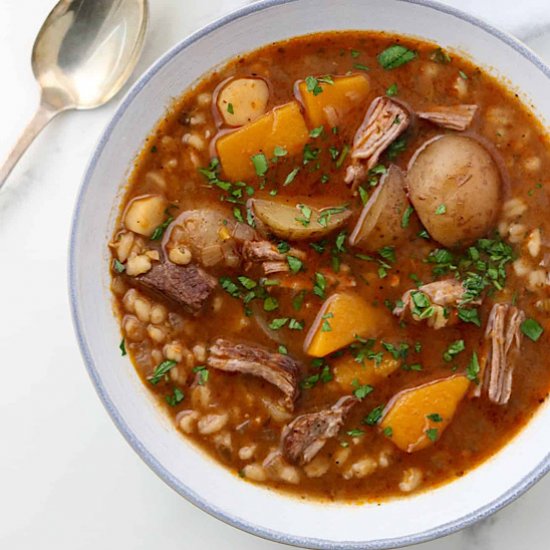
x=267 y=254
x=453 y=117
x=261 y=251
x=306 y=435
x=384 y=122
x=280 y=370
x=504 y=337
x=441 y=295
x=186 y=285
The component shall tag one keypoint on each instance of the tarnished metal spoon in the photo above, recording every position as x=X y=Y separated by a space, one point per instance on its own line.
x=82 y=56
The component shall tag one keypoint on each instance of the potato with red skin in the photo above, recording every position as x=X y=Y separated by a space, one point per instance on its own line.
x=380 y=222
x=292 y=222
x=454 y=185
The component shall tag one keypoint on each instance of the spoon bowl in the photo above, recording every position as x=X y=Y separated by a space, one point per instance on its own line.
x=82 y=56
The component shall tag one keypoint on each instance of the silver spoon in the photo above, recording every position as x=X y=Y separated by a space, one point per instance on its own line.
x=83 y=55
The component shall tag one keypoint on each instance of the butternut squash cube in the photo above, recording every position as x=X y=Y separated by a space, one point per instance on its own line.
x=284 y=126
x=342 y=317
x=415 y=418
x=346 y=369
x=335 y=101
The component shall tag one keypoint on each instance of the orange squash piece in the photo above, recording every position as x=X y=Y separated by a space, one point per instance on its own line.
x=342 y=317
x=336 y=100
x=346 y=369
x=283 y=126
x=415 y=418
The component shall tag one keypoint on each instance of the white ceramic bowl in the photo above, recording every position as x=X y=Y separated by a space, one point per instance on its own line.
x=195 y=476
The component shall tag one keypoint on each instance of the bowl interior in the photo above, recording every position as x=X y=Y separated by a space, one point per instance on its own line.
x=178 y=462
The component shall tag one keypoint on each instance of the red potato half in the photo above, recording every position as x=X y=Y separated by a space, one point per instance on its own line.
x=380 y=222
x=294 y=223
x=454 y=185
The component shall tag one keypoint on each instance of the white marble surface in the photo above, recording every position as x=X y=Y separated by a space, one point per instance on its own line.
x=67 y=479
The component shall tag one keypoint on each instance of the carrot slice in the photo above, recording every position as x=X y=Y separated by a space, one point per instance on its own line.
x=415 y=418
x=342 y=317
x=284 y=126
x=330 y=106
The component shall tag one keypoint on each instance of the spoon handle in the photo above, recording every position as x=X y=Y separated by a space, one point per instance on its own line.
x=43 y=115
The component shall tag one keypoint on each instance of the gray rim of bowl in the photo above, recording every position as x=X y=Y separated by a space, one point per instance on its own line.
x=440 y=531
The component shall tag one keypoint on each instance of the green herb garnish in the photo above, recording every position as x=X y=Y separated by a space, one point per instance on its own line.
x=395 y=56
x=161 y=371
x=532 y=329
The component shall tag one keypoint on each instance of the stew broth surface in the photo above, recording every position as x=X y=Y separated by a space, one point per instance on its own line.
x=239 y=418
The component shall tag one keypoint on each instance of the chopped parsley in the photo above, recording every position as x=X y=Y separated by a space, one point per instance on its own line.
x=374 y=416
x=283 y=247
x=392 y=90
x=395 y=56
x=398 y=352
x=159 y=231
x=361 y=391
x=439 y=55
x=361 y=67
x=295 y=264
x=294 y=324
x=320 y=285
x=396 y=147
x=177 y=396
x=279 y=151
x=279 y=323
x=325 y=215
x=405 y=219
x=313 y=85
x=316 y=132
x=161 y=371
x=421 y=306
x=363 y=193
x=342 y=156
x=432 y=434
x=388 y=253
x=441 y=209
x=290 y=177
x=319 y=246
x=122 y=347
x=453 y=350
x=356 y=432
x=435 y=417
x=230 y=109
x=247 y=282
x=324 y=376
x=469 y=316
x=472 y=370
x=388 y=431
x=270 y=303
x=202 y=374
x=298 y=300
x=260 y=164
x=532 y=329
x=118 y=266
x=306 y=213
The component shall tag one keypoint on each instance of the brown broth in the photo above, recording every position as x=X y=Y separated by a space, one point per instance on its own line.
x=479 y=428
